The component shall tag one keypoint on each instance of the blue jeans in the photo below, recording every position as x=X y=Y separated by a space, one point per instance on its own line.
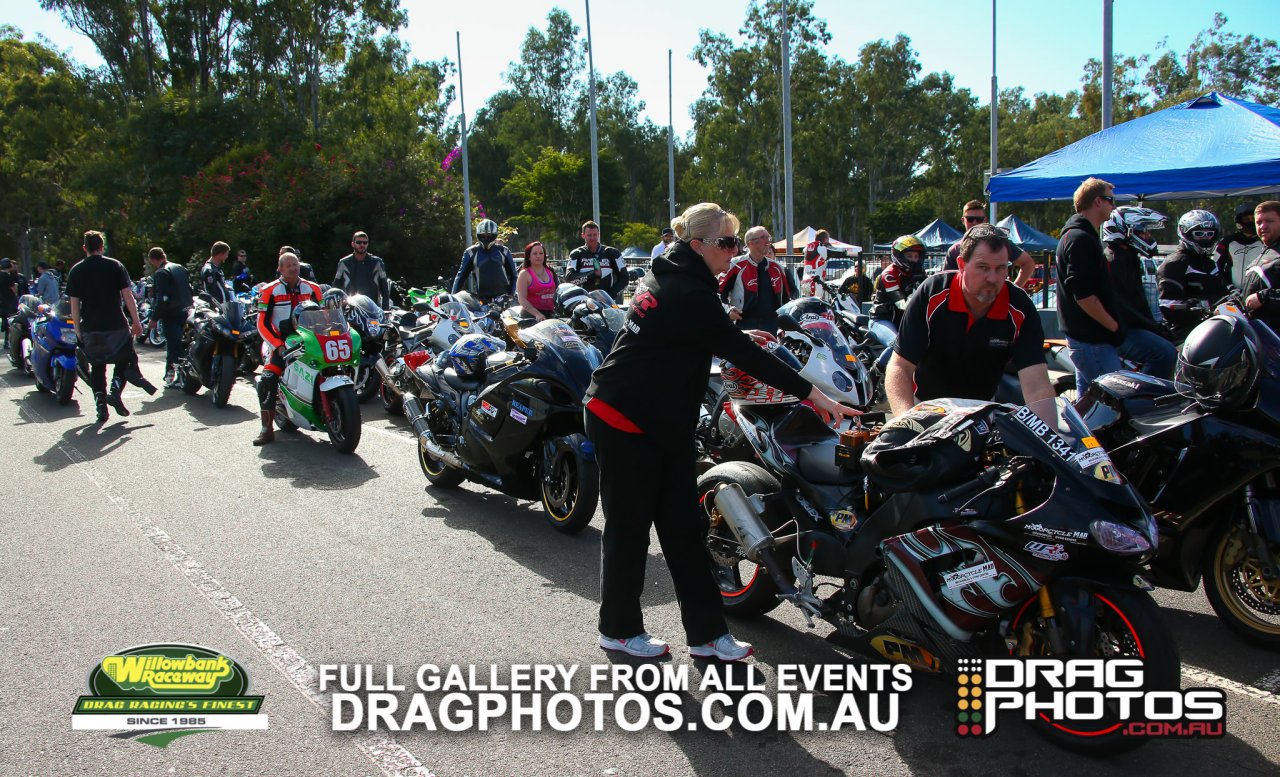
x=1152 y=354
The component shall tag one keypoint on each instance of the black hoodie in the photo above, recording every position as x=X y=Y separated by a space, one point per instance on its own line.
x=656 y=375
x=1083 y=273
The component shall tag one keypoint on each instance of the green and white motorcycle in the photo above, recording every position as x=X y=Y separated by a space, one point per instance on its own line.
x=317 y=391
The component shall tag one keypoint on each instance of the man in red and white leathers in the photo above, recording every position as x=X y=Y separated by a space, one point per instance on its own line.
x=276 y=302
x=816 y=255
x=756 y=285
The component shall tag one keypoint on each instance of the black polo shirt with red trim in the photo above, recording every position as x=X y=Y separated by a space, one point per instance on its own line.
x=957 y=355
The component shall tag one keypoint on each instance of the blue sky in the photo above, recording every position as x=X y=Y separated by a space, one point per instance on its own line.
x=1042 y=45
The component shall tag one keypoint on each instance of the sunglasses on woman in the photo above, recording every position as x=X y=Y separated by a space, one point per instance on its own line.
x=727 y=242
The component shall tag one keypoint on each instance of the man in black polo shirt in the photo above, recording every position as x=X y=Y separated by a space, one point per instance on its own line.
x=961 y=328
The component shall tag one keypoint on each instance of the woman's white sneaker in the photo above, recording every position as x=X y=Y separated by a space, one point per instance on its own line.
x=726 y=648
x=642 y=646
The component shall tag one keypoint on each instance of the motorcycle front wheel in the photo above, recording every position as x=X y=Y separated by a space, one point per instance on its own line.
x=570 y=491
x=370 y=382
x=155 y=337
x=65 y=382
x=747 y=590
x=224 y=378
x=1246 y=601
x=1115 y=623
x=344 y=419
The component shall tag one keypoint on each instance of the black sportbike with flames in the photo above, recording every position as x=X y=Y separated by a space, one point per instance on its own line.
x=508 y=419
x=1205 y=452
x=959 y=529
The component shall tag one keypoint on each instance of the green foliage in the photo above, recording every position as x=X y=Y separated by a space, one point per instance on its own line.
x=634 y=234
x=894 y=218
x=269 y=123
x=556 y=191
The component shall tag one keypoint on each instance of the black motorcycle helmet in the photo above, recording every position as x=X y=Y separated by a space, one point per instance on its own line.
x=335 y=298
x=1219 y=362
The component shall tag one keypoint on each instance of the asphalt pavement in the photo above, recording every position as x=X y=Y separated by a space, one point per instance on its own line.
x=168 y=526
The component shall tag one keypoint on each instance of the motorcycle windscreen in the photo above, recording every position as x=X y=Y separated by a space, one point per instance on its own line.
x=233 y=311
x=322 y=322
x=455 y=311
x=1057 y=424
x=848 y=374
x=559 y=342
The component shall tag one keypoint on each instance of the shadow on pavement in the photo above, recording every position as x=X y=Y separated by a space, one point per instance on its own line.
x=199 y=407
x=91 y=440
x=1204 y=641
x=566 y=562
x=309 y=460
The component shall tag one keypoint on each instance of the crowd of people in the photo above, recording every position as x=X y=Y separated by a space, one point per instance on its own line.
x=949 y=334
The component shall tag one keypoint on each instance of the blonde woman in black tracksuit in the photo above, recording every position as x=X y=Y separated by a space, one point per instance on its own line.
x=642 y=411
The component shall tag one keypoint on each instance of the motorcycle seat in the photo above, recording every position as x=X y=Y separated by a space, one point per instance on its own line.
x=457 y=382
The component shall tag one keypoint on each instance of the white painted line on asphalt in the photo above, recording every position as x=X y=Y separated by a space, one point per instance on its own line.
x=384 y=751
x=1269 y=681
x=389 y=433
x=1195 y=677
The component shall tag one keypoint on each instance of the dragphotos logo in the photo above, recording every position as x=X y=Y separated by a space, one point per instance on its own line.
x=1083 y=697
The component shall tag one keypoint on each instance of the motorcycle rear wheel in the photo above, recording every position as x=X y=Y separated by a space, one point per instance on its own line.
x=440 y=475
x=65 y=381
x=225 y=367
x=391 y=401
x=1127 y=624
x=747 y=590
x=570 y=491
x=15 y=349
x=344 y=419
x=1236 y=588
x=155 y=337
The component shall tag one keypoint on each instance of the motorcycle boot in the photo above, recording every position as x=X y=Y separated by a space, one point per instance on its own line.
x=115 y=399
x=268 y=433
x=100 y=402
x=268 y=388
x=134 y=375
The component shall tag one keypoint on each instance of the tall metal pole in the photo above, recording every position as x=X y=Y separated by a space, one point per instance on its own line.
x=671 y=145
x=591 y=91
x=466 y=169
x=1108 y=69
x=995 y=103
x=789 y=202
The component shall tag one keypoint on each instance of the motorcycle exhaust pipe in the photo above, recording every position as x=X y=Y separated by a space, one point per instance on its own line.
x=742 y=513
x=417 y=419
x=385 y=371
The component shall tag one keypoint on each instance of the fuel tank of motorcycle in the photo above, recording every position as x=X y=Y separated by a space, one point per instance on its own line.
x=1119 y=406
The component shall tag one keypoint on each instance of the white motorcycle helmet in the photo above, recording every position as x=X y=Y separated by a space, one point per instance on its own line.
x=1133 y=225
x=487 y=232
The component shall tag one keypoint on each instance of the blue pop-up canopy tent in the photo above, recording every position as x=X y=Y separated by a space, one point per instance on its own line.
x=935 y=235
x=939 y=234
x=1027 y=237
x=1212 y=146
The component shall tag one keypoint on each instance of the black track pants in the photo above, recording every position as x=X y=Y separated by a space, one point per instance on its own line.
x=652 y=483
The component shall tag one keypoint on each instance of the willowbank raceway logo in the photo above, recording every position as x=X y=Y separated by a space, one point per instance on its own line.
x=1081 y=697
x=158 y=693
